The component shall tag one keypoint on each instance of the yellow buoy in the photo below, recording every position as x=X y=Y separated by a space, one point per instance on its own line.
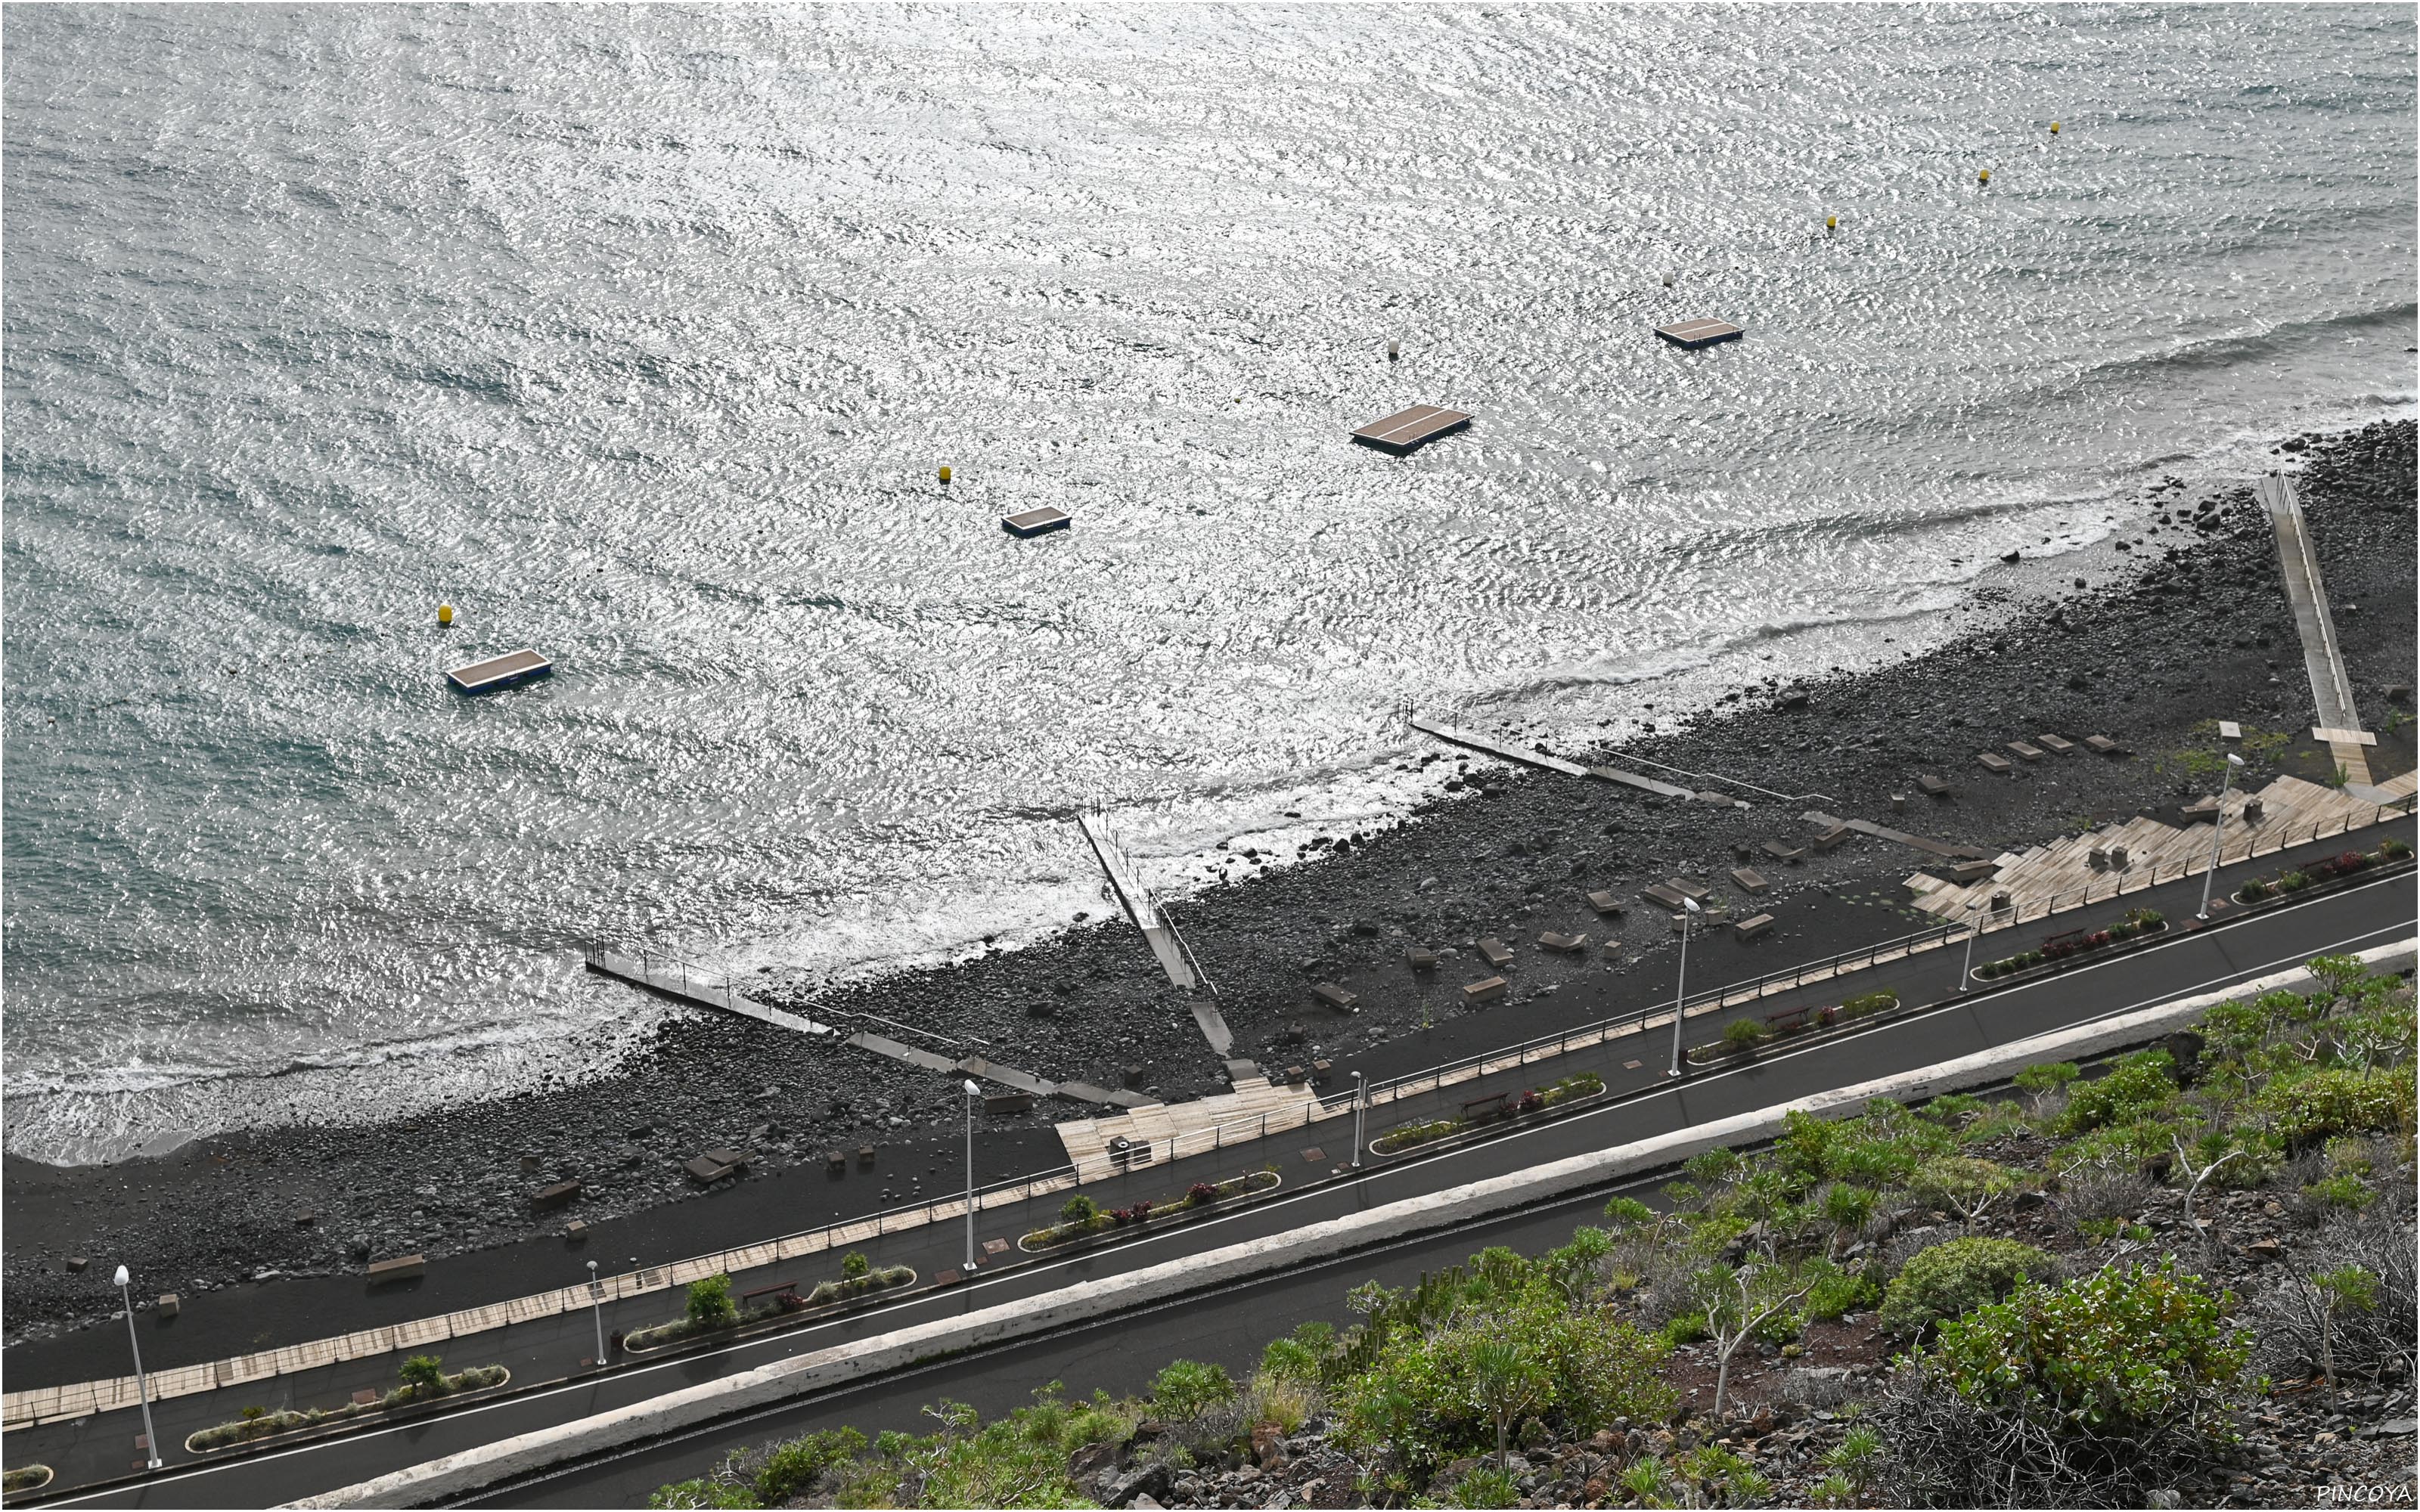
x=1831 y=223
x=945 y=474
x=1983 y=177
x=445 y=613
x=2054 y=128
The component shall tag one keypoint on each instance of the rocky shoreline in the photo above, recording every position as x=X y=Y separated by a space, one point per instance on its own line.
x=2196 y=629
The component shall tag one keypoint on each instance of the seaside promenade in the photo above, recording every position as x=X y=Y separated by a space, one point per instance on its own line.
x=548 y=1348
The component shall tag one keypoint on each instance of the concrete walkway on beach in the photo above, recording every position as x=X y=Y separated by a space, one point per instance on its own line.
x=548 y=1339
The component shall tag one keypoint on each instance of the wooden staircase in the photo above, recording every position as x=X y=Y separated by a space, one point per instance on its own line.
x=2050 y=878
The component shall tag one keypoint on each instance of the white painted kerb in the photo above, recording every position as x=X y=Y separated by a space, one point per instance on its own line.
x=460 y=1475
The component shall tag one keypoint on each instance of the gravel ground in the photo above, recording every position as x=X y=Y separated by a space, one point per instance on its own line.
x=2196 y=629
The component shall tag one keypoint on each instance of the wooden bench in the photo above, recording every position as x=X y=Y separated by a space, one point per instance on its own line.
x=1664 y=897
x=1789 y=853
x=1421 y=958
x=1563 y=944
x=1750 y=928
x=1007 y=1101
x=400 y=1268
x=1964 y=872
x=1484 y=991
x=545 y=1200
x=1690 y=887
x=2198 y=809
x=2102 y=746
x=2025 y=752
x=1788 y=1018
x=1933 y=787
x=1996 y=766
x=1487 y=1109
x=1832 y=836
x=1606 y=905
x=1335 y=996
x=1749 y=881
x=2055 y=746
x=1494 y=951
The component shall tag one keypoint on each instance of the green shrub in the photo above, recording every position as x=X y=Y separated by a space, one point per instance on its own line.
x=855 y=1266
x=1079 y=1208
x=2138 y=1088
x=2336 y=1101
x=1686 y=1328
x=1185 y=1387
x=1949 y=1279
x=2040 y=1082
x=2394 y=850
x=793 y=1468
x=709 y=1301
x=2112 y=1355
x=1628 y=1212
x=1859 y=1007
x=1743 y=1034
x=1486 y=1486
x=1300 y=1355
x=424 y=1375
x=2340 y=1191
x=1838 y=1292
x=2294 y=882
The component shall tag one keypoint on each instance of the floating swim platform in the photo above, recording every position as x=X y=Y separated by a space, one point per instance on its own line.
x=512 y=667
x=1407 y=430
x=1692 y=334
x=1036 y=522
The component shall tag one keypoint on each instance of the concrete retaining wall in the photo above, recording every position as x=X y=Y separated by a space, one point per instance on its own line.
x=460 y=1474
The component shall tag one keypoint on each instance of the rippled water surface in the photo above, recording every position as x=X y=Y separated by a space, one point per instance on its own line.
x=638 y=336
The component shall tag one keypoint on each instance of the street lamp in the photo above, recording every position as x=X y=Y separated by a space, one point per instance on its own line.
x=1974 y=927
x=2217 y=832
x=141 y=1382
x=596 y=1305
x=972 y=1092
x=1359 y=1085
x=1681 y=991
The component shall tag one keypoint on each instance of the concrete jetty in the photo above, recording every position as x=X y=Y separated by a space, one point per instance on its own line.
x=2338 y=721
x=669 y=978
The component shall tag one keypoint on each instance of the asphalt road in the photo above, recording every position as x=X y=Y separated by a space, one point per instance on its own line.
x=1121 y=1353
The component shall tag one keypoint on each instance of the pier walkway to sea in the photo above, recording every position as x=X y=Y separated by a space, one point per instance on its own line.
x=2332 y=696
x=672 y=979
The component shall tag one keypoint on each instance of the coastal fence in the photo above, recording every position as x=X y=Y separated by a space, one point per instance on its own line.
x=49 y=1404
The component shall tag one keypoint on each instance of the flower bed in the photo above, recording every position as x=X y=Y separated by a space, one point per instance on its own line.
x=2335 y=868
x=1585 y=1084
x=1082 y=1218
x=830 y=1294
x=26 y=1478
x=1742 y=1036
x=258 y=1423
x=2139 y=921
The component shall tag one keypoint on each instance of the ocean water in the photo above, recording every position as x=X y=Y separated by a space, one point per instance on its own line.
x=639 y=333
